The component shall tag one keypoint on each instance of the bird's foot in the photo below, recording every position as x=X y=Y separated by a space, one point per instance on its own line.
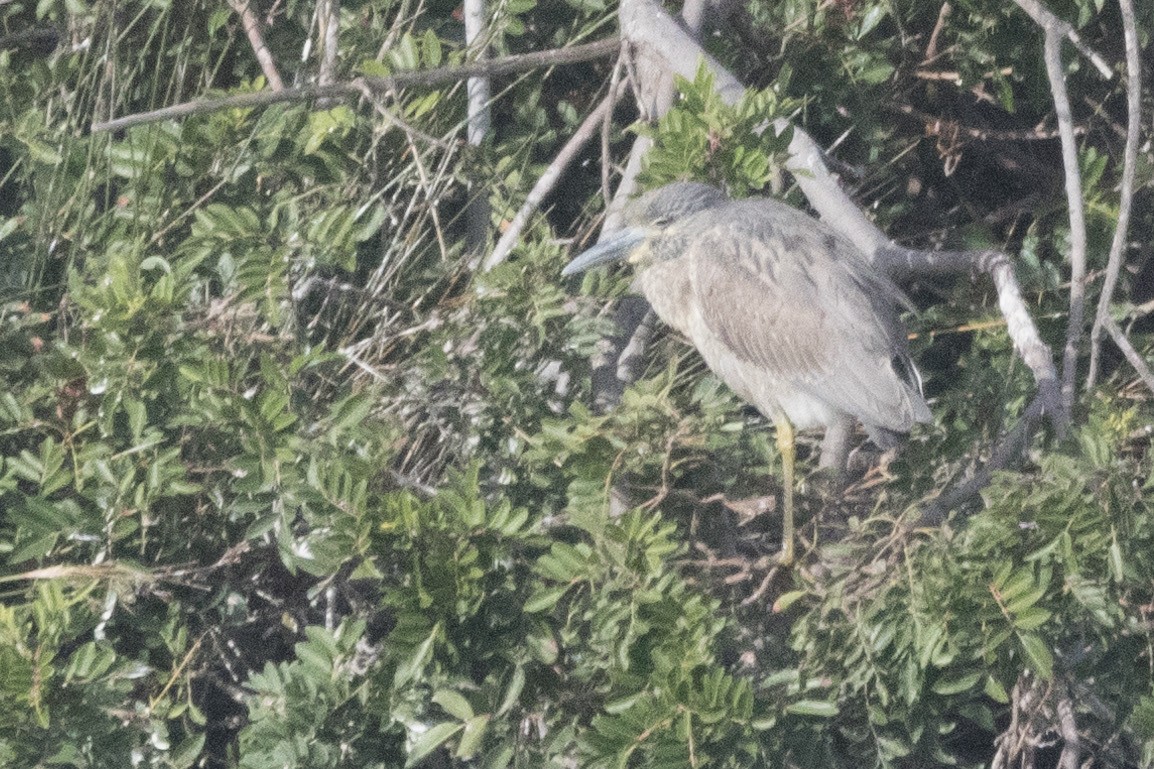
x=779 y=568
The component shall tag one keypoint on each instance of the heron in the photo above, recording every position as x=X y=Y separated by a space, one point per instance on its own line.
x=785 y=310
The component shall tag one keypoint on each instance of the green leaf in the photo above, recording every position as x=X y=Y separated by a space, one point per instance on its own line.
x=618 y=706
x=431 y=740
x=785 y=600
x=474 y=733
x=820 y=708
x=416 y=661
x=948 y=685
x=870 y=20
x=544 y=599
x=513 y=690
x=431 y=49
x=1041 y=659
x=1031 y=619
x=453 y=703
x=995 y=691
x=90 y=661
x=186 y=753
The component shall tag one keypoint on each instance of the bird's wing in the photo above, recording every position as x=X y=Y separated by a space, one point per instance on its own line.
x=798 y=301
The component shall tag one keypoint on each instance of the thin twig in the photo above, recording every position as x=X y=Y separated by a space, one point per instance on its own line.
x=330 y=22
x=955 y=77
x=1126 y=198
x=547 y=181
x=939 y=25
x=1006 y=453
x=256 y=39
x=1051 y=23
x=430 y=77
x=937 y=126
x=1132 y=355
x=606 y=124
x=393 y=119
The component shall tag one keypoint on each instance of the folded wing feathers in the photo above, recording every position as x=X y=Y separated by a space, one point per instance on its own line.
x=785 y=292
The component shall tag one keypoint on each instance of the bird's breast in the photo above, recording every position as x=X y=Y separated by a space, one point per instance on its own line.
x=669 y=289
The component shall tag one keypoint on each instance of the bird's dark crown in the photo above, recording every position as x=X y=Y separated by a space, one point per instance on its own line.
x=672 y=202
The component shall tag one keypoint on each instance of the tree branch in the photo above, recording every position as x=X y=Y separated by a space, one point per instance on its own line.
x=1126 y=198
x=1051 y=23
x=548 y=180
x=256 y=39
x=653 y=86
x=430 y=77
x=1071 y=756
x=1136 y=360
x=329 y=15
x=1006 y=453
x=477 y=86
x=1053 y=55
x=477 y=212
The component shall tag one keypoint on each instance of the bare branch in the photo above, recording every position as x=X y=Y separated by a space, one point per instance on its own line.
x=330 y=23
x=478 y=87
x=937 y=126
x=632 y=358
x=932 y=46
x=1051 y=23
x=1132 y=355
x=1072 y=748
x=430 y=77
x=1006 y=453
x=642 y=22
x=548 y=180
x=479 y=121
x=1126 y=198
x=256 y=40
x=1056 y=75
x=897 y=261
x=606 y=125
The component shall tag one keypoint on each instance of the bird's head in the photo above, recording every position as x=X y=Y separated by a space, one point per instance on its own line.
x=642 y=219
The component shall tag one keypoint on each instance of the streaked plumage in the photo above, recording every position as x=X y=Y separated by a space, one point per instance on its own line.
x=784 y=309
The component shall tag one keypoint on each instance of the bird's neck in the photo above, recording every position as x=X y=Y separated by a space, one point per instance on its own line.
x=667 y=286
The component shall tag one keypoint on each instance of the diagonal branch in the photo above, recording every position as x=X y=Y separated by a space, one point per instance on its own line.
x=548 y=180
x=1126 y=198
x=1045 y=19
x=251 y=25
x=613 y=366
x=1136 y=360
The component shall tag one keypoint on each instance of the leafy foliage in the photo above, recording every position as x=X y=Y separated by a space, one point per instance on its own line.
x=284 y=481
x=734 y=146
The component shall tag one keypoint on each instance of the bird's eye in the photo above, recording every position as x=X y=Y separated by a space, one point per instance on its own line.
x=662 y=221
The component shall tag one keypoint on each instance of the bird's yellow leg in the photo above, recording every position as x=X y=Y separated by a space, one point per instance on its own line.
x=787 y=447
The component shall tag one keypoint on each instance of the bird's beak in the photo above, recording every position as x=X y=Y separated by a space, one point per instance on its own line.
x=617 y=247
